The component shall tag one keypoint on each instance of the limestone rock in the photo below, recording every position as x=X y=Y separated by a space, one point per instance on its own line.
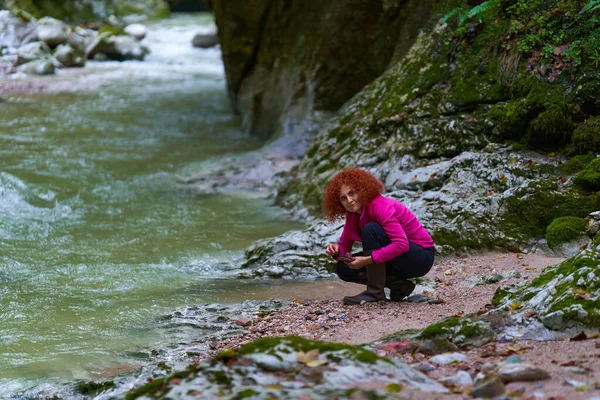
x=37 y=67
x=519 y=372
x=120 y=48
x=14 y=31
x=460 y=379
x=68 y=56
x=32 y=51
x=138 y=31
x=448 y=358
x=52 y=31
x=490 y=386
x=205 y=40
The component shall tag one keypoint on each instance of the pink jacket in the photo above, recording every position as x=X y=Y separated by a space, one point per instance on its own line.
x=400 y=224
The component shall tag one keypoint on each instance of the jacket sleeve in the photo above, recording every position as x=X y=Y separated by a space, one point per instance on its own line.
x=345 y=242
x=385 y=215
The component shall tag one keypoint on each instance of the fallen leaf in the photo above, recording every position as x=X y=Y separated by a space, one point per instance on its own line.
x=394 y=388
x=305 y=358
x=316 y=363
x=581 y=336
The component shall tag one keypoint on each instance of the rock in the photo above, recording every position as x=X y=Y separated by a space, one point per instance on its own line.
x=138 y=31
x=32 y=51
x=448 y=358
x=205 y=40
x=511 y=372
x=461 y=379
x=37 y=67
x=424 y=368
x=243 y=322
x=68 y=56
x=52 y=31
x=490 y=386
x=120 y=48
x=513 y=359
x=16 y=32
x=286 y=48
x=81 y=38
x=437 y=346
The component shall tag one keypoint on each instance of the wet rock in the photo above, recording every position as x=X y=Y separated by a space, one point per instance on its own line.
x=32 y=51
x=436 y=346
x=489 y=386
x=68 y=56
x=37 y=67
x=138 y=31
x=448 y=358
x=120 y=48
x=52 y=31
x=518 y=372
x=14 y=31
x=461 y=379
x=205 y=40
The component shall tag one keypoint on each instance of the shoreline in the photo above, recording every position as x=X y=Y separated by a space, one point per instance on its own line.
x=318 y=313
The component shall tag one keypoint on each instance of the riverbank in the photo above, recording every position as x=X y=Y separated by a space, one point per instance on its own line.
x=318 y=313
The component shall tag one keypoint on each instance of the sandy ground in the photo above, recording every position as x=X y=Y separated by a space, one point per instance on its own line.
x=318 y=313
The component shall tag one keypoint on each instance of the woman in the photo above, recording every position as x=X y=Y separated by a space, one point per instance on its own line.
x=395 y=244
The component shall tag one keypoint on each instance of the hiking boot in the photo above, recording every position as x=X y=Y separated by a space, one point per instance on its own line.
x=376 y=275
x=399 y=288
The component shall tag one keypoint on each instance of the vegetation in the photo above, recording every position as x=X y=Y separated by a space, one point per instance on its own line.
x=565 y=229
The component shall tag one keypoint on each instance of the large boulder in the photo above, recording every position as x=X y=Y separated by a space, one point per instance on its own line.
x=205 y=40
x=138 y=31
x=16 y=31
x=53 y=31
x=68 y=56
x=32 y=51
x=37 y=67
x=282 y=58
x=117 y=47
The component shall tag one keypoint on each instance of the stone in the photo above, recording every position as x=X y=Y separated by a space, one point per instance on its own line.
x=52 y=31
x=461 y=379
x=120 y=48
x=138 y=31
x=490 y=386
x=510 y=372
x=32 y=51
x=448 y=358
x=513 y=359
x=37 y=67
x=438 y=346
x=205 y=40
x=16 y=32
x=68 y=56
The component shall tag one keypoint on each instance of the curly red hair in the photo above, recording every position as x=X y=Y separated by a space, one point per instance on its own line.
x=366 y=185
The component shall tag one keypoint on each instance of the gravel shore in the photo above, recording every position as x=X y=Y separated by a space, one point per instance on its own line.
x=456 y=287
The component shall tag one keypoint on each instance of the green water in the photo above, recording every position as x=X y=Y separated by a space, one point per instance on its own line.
x=96 y=236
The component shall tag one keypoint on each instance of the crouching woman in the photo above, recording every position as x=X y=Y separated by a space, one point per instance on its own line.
x=396 y=247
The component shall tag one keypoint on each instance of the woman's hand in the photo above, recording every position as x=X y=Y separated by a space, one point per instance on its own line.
x=359 y=262
x=333 y=249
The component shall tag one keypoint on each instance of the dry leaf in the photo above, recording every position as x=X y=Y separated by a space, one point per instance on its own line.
x=316 y=363
x=305 y=358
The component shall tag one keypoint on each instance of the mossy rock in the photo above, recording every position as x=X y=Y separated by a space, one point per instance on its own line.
x=586 y=137
x=565 y=229
x=93 y=388
x=577 y=163
x=589 y=177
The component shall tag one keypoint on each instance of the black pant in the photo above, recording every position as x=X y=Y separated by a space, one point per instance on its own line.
x=416 y=262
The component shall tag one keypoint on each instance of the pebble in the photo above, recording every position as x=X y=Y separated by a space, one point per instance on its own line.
x=574 y=383
x=577 y=370
x=448 y=358
x=490 y=386
x=513 y=359
x=461 y=379
x=424 y=368
x=521 y=372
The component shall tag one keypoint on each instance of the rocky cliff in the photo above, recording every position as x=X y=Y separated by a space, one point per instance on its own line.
x=284 y=58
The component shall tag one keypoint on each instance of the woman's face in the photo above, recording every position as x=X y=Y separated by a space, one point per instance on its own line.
x=349 y=199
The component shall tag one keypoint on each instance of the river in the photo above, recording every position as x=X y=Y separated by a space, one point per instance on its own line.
x=97 y=238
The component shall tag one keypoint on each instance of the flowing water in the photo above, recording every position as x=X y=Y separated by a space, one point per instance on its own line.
x=96 y=237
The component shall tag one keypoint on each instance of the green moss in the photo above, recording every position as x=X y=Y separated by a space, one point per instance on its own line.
x=530 y=210
x=266 y=345
x=501 y=293
x=589 y=177
x=93 y=388
x=551 y=127
x=244 y=394
x=152 y=389
x=113 y=30
x=440 y=328
x=577 y=163
x=586 y=137
x=564 y=229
